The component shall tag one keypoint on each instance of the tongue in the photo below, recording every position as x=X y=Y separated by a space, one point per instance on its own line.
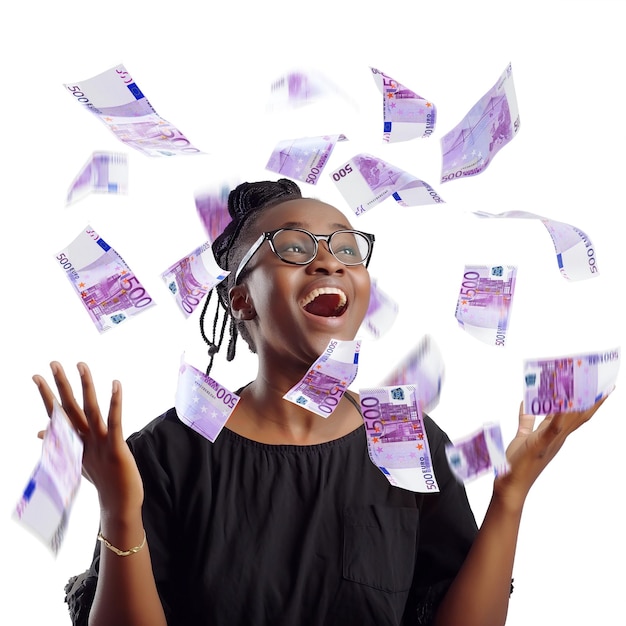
x=325 y=305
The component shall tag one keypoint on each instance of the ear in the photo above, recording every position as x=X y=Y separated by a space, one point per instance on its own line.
x=241 y=303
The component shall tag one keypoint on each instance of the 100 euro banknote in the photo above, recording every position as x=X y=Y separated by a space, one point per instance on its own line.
x=405 y=114
x=365 y=181
x=575 y=252
x=105 y=284
x=116 y=100
x=192 y=277
x=484 y=304
x=46 y=503
x=328 y=378
x=396 y=437
x=491 y=123
x=569 y=383
x=104 y=172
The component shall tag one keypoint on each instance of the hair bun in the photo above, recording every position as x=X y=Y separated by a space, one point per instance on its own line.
x=248 y=197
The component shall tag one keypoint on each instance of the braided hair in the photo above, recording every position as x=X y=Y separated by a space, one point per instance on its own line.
x=245 y=203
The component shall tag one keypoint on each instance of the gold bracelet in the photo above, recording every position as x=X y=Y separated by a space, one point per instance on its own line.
x=119 y=552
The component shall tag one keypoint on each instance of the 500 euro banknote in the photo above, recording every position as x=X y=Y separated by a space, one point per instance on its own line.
x=569 y=383
x=381 y=312
x=116 y=100
x=104 y=172
x=105 y=284
x=396 y=438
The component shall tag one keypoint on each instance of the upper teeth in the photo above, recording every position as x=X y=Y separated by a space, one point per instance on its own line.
x=326 y=290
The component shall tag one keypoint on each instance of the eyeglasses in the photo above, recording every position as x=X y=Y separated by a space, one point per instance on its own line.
x=299 y=247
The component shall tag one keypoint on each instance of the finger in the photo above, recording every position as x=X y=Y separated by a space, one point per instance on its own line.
x=526 y=422
x=68 y=401
x=114 y=420
x=41 y=434
x=45 y=392
x=90 y=401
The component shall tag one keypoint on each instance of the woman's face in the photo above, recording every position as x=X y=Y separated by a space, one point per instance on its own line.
x=297 y=309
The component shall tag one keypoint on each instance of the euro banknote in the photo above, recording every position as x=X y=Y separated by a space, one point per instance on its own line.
x=201 y=402
x=469 y=148
x=117 y=101
x=483 y=307
x=105 y=284
x=405 y=114
x=365 y=181
x=480 y=453
x=303 y=159
x=424 y=368
x=192 y=277
x=104 y=172
x=212 y=208
x=569 y=383
x=328 y=378
x=396 y=437
x=381 y=312
x=45 y=505
x=575 y=252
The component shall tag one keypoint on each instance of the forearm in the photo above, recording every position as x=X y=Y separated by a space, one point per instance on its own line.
x=479 y=595
x=126 y=594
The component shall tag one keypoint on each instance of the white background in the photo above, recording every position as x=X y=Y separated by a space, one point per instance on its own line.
x=208 y=71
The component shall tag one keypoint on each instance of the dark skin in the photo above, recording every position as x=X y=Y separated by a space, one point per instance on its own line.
x=288 y=339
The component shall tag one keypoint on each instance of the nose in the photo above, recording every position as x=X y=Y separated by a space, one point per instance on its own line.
x=325 y=261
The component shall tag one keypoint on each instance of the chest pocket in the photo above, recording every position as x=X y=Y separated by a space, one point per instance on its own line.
x=380 y=546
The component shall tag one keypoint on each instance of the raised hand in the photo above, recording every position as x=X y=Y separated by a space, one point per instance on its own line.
x=107 y=460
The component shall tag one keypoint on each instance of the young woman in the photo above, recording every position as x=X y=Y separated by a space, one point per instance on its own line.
x=284 y=520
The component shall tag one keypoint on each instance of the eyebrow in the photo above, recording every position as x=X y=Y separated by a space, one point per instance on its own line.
x=336 y=225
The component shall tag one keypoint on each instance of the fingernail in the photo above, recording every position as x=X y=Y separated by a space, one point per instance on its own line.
x=54 y=367
x=36 y=380
x=81 y=368
x=115 y=387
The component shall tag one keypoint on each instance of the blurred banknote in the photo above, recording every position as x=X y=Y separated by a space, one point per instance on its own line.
x=192 y=277
x=365 y=181
x=212 y=208
x=328 y=378
x=483 y=307
x=481 y=452
x=116 y=100
x=201 y=402
x=107 y=287
x=424 y=368
x=575 y=253
x=104 y=172
x=381 y=312
x=569 y=383
x=405 y=114
x=303 y=159
x=46 y=503
x=490 y=124
x=396 y=437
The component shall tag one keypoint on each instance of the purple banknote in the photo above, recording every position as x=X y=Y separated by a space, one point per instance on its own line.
x=212 y=208
x=396 y=438
x=104 y=172
x=328 y=378
x=301 y=86
x=381 y=312
x=405 y=114
x=107 y=287
x=116 y=100
x=569 y=383
x=491 y=123
x=483 y=307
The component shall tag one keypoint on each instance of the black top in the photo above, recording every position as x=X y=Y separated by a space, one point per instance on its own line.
x=243 y=533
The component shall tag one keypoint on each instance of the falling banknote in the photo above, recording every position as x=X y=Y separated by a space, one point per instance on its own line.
x=365 y=181
x=45 y=505
x=104 y=172
x=381 y=312
x=569 y=383
x=116 y=100
x=303 y=159
x=483 y=307
x=424 y=368
x=201 y=402
x=396 y=437
x=192 y=277
x=328 y=378
x=481 y=452
x=212 y=208
x=575 y=253
x=491 y=123
x=405 y=114
x=107 y=287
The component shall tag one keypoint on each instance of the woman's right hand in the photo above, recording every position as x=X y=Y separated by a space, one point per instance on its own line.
x=107 y=460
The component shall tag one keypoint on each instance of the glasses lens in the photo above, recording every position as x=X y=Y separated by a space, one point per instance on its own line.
x=294 y=246
x=350 y=246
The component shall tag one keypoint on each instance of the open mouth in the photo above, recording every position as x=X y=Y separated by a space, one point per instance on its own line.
x=326 y=302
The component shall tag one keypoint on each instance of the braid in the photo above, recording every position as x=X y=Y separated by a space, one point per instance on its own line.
x=245 y=204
